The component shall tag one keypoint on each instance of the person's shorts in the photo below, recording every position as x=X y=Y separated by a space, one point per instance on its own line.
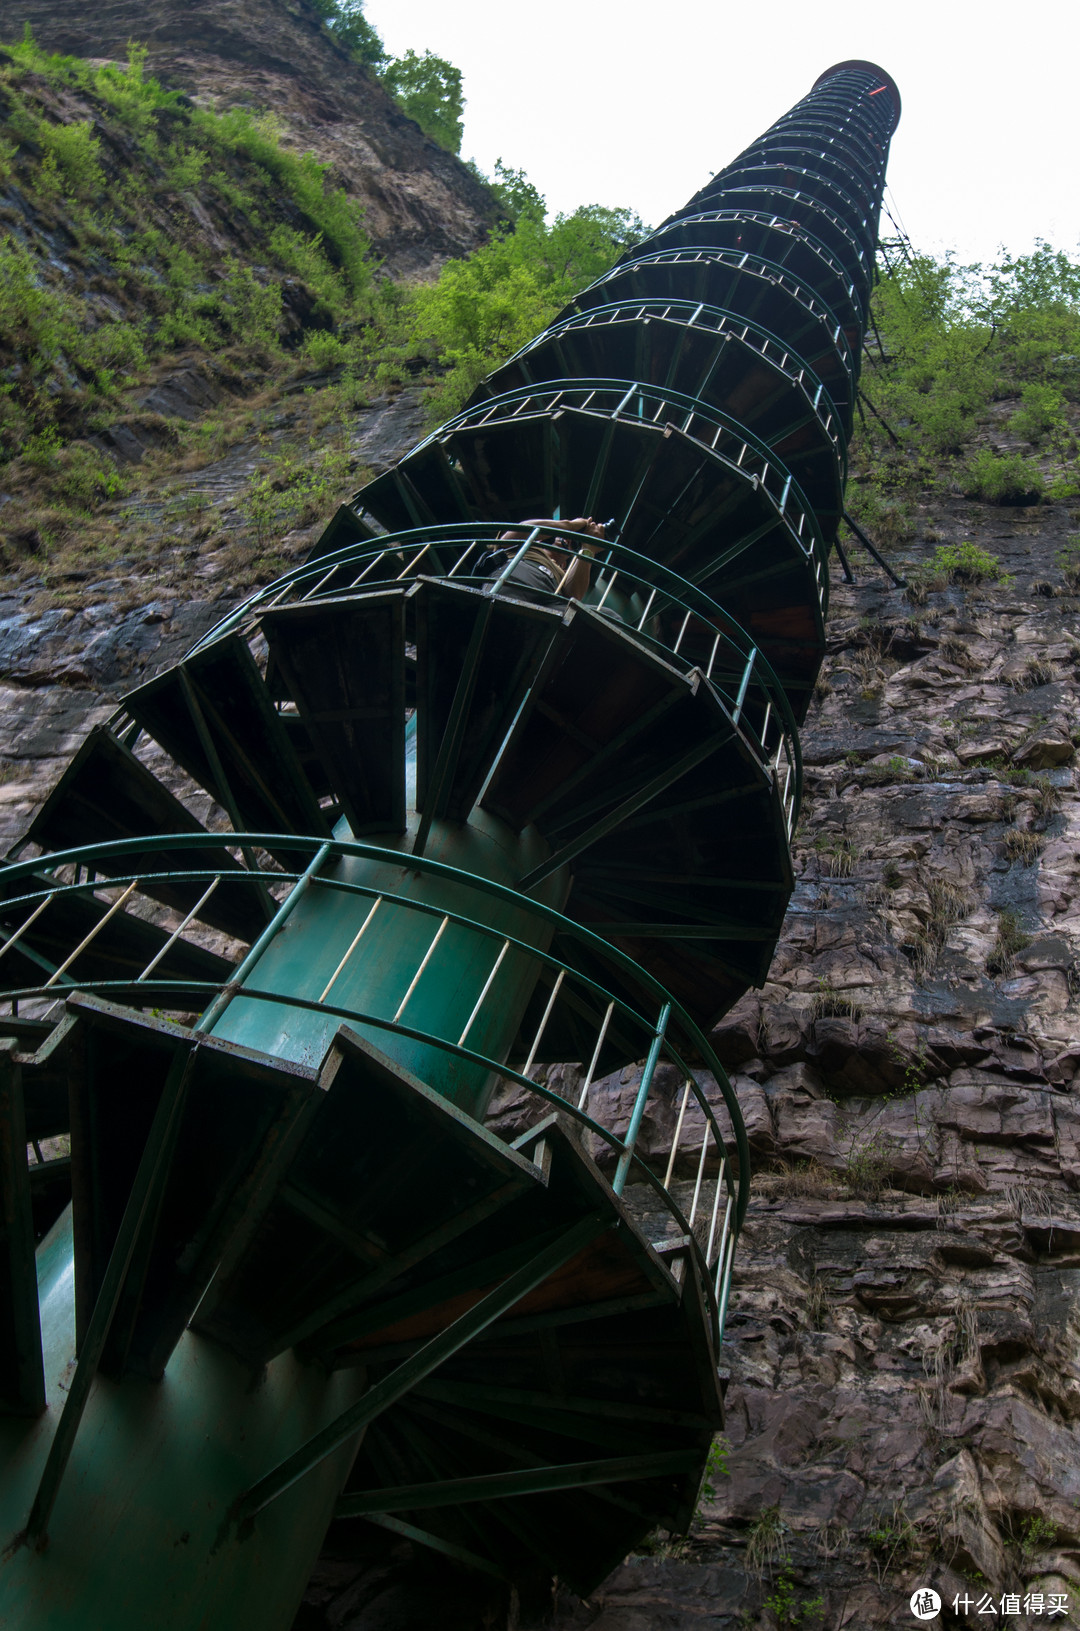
x=530 y=581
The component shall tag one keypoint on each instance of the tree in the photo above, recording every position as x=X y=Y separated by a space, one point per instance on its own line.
x=346 y=21
x=428 y=89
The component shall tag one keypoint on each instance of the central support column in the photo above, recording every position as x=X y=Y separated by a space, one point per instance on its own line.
x=317 y=955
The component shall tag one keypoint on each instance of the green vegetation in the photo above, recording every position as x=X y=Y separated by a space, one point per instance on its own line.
x=159 y=283
x=429 y=91
x=426 y=87
x=168 y=237
x=1003 y=479
x=867 y=1165
x=1036 y=1534
x=789 y=1606
x=716 y=1467
x=956 y=341
x=482 y=309
x=1009 y=940
x=346 y=21
x=1041 y=413
x=1068 y=559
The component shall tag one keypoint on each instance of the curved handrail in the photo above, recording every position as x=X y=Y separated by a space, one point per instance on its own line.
x=694 y=1039
x=412 y=548
x=715 y=320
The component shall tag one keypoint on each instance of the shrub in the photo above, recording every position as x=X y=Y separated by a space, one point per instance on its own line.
x=1009 y=940
x=867 y=1165
x=828 y=1003
x=766 y=1540
x=1022 y=846
x=1042 y=410
x=1068 y=559
x=966 y=564
x=1035 y=674
x=947 y=904
x=71 y=158
x=895 y=769
x=482 y=309
x=837 y=857
x=791 y=1610
x=1008 y=478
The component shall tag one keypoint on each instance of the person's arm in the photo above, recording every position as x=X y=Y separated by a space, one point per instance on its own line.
x=577 y=584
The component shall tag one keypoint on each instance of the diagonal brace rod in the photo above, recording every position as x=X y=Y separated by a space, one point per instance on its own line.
x=521 y=1481
x=413 y=1370
x=623 y=811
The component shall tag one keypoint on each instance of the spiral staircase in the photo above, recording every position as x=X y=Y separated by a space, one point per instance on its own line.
x=396 y=836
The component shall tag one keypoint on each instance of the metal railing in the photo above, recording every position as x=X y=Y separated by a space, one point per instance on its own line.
x=736 y=260
x=713 y=320
x=649 y=1026
x=675 y=618
x=766 y=221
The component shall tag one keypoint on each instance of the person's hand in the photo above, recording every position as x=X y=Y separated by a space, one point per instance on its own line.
x=586 y=524
x=583 y=523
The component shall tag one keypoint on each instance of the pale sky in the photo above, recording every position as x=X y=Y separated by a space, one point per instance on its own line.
x=626 y=103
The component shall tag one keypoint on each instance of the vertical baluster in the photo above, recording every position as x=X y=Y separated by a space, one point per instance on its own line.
x=700 y=1173
x=638 y=1111
x=355 y=942
x=487 y=987
x=415 y=981
x=13 y=939
x=410 y=566
x=587 y=1083
x=678 y=1133
x=94 y=932
x=715 y=1210
x=174 y=937
x=543 y=1023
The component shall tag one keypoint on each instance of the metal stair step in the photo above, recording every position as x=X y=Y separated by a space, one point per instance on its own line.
x=213 y=714
x=599 y=693
x=476 y=657
x=233 y=1131
x=343 y=661
x=388 y=1183
x=584 y=1411
x=107 y=794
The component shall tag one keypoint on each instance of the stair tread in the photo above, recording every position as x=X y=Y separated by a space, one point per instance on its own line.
x=236 y=1118
x=343 y=660
x=264 y=782
x=107 y=794
x=509 y=647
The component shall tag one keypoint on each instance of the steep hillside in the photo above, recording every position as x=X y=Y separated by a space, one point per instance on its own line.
x=420 y=203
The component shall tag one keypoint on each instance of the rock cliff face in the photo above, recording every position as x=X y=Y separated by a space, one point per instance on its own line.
x=903 y=1333
x=903 y=1336
x=422 y=204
